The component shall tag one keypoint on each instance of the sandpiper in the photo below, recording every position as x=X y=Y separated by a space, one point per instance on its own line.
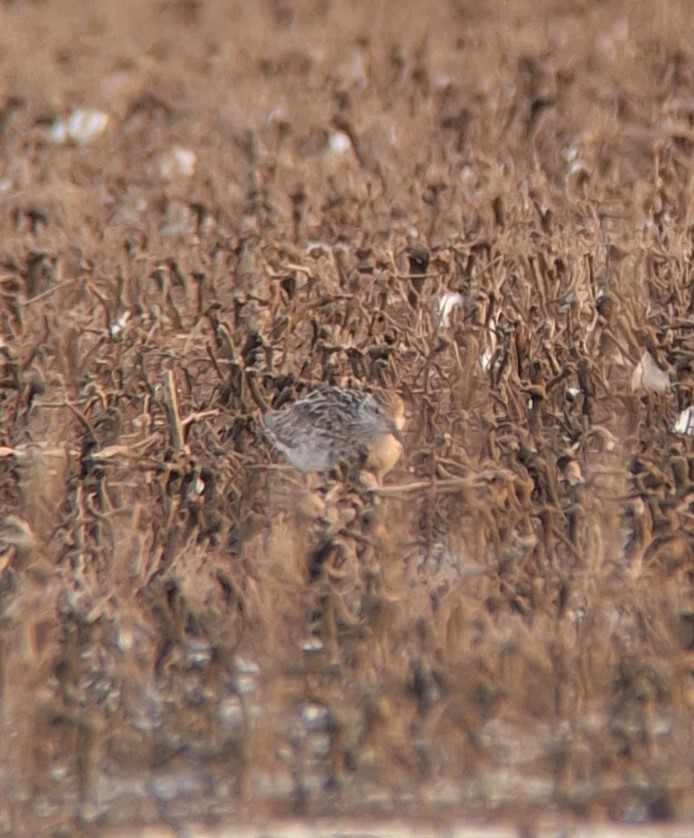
x=335 y=426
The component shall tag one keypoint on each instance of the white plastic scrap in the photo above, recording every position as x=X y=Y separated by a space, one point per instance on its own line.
x=685 y=422
x=82 y=126
x=118 y=325
x=445 y=305
x=648 y=376
x=339 y=142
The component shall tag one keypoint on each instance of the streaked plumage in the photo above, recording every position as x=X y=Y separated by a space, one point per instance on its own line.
x=334 y=427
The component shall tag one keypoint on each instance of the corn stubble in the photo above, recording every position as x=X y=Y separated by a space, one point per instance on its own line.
x=503 y=625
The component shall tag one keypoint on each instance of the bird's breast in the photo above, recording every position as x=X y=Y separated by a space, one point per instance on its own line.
x=384 y=454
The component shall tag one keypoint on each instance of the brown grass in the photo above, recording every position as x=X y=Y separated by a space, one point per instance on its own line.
x=190 y=630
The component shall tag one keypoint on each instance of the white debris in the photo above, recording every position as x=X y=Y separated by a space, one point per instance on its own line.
x=578 y=167
x=340 y=143
x=178 y=162
x=486 y=360
x=119 y=324
x=649 y=376
x=685 y=422
x=572 y=151
x=248 y=667
x=82 y=126
x=489 y=352
x=314 y=716
x=230 y=713
x=318 y=248
x=445 y=306
x=312 y=645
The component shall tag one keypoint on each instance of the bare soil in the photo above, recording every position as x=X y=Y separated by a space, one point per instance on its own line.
x=281 y=196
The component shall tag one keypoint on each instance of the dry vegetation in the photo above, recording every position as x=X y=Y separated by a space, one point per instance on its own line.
x=507 y=628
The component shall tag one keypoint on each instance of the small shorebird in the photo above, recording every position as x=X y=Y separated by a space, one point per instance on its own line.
x=334 y=427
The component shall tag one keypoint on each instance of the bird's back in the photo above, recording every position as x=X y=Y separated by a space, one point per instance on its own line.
x=320 y=431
